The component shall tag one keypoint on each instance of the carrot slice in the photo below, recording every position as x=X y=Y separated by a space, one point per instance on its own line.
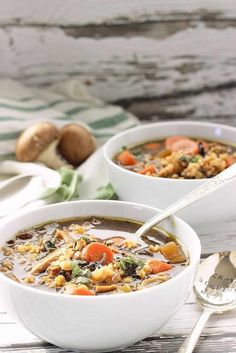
x=186 y=146
x=82 y=290
x=229 y=161
x=151 y=146
x=172 y=139
x=126 y=158
x=157 y=266
x=96 y=252
x=149 y=169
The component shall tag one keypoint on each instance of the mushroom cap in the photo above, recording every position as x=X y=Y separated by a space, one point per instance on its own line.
x=34 y=140
x=76 y=143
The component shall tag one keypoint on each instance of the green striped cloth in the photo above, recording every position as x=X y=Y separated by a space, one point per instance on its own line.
x=60 y=104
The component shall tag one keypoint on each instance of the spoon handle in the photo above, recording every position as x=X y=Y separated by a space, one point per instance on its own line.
x=209 y=186
x=191 y=340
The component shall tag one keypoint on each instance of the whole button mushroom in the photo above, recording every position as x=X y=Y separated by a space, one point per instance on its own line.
x=76 y=143
x=39 y=143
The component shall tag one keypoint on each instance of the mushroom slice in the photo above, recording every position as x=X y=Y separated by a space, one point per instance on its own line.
x=158 y=279
x=76 y=143
x=46 y=261
x=12 y=276
x=39 y=143
x=105 y=288
x=62 y=234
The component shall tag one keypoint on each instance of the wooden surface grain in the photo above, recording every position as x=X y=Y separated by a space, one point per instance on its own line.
x=79 y=12
x=171 y=59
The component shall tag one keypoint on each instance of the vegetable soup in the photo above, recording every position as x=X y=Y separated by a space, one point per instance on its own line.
x=178 y=157
x=92 y=256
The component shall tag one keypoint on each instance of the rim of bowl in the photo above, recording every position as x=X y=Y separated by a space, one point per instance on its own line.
x=194 y=260
x=167 y=123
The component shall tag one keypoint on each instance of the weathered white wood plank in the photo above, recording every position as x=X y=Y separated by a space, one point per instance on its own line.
x=217 y=105
x=79 y=12
x=165 y=57
x=192 y=60
x=214 y=343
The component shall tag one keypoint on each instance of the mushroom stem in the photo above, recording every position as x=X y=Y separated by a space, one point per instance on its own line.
x=51 y=157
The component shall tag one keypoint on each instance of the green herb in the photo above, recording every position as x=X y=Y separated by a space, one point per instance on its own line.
x=81 y=263
x=81 y=280
x=86 y=239
x=87 y=273
x=71 y=180
x=189 y=159
x=49 y=245
x=194 y=159
x=137 y=153
x=106 y=193
x=78 y=272
x=129 y=265
x=69 y=187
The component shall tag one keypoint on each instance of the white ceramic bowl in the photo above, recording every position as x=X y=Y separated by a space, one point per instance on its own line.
x=161 y=192
x=103 y=323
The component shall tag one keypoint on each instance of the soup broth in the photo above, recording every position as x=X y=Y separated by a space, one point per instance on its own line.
x=178 y=157
x=92 y=256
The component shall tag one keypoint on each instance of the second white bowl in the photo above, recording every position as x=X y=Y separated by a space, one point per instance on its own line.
x=161 y=192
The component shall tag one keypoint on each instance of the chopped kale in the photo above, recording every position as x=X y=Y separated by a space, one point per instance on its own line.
x=137 y=153
x=76 y=270
x=106 y=192
x=87 y=273
x=86 y=239
x=82 y=263
x=92 y=266
x=189 y=159
x=79 y=272
x=129 y=265
x=50 y=245
x=201 y=149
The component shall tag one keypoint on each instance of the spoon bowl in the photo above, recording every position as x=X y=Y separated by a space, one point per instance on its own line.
x=215 y=286
x=214 y=291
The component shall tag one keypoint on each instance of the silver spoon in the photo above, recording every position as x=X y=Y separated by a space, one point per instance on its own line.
x=214 y=291
x=209 y=186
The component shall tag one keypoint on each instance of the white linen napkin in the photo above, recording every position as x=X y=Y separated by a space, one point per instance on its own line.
x=62 y=103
